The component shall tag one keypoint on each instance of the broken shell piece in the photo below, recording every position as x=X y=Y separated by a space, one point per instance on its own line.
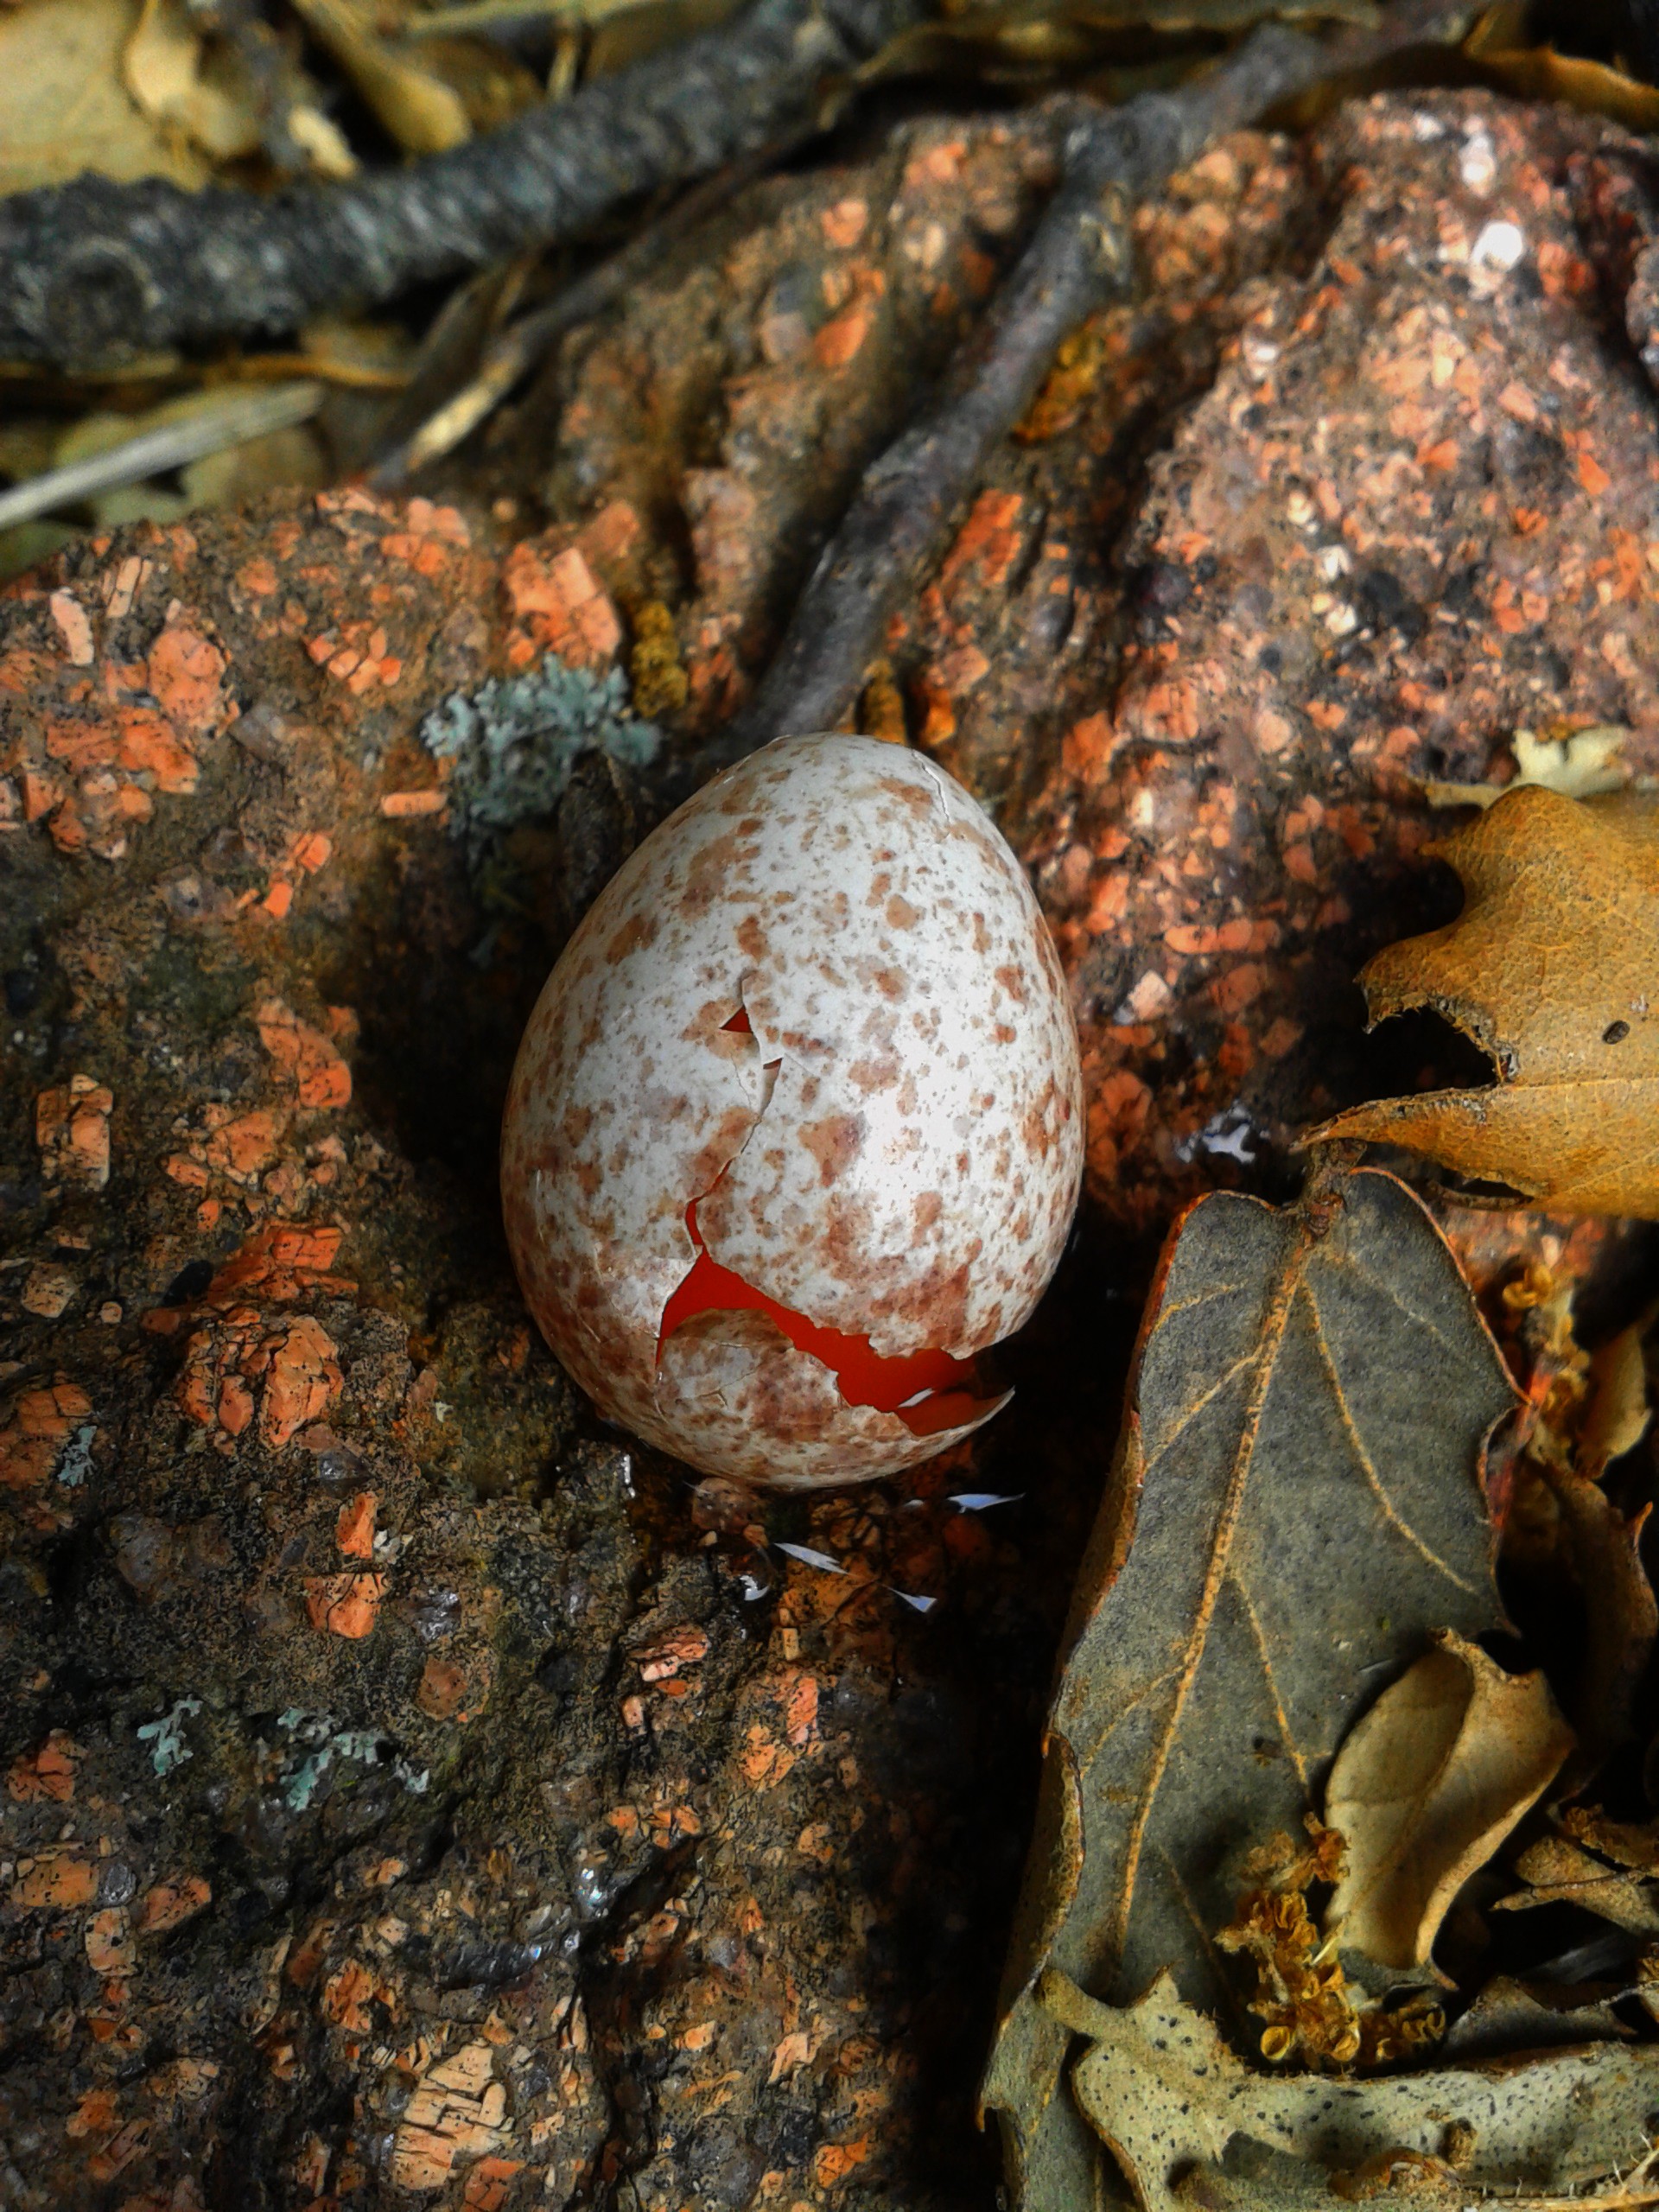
x=795 y=1130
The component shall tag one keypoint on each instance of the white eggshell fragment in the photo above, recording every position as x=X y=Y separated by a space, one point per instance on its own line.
x=891 y=1150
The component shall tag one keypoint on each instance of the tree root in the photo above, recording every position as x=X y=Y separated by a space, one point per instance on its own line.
x=917 y=491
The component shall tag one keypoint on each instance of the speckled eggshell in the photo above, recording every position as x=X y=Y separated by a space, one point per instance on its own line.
x=894 y=1150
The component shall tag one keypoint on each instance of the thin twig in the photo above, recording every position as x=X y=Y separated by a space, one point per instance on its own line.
x=920 y=489
x=515 y=351
x=236 y=419
x=93 y=269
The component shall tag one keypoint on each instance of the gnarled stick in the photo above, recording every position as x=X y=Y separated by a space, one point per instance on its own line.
x=93 y=268
x=920 y=489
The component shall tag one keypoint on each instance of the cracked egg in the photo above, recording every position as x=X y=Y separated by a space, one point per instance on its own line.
x=795 y=1131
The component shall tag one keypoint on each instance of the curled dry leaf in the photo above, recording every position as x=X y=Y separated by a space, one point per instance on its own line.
x=1499 y=47
x=63 y=106
x=423 y=113
x=1425 y=1787
x=164 y=69
x=1162 y=2090
x=1608 y=1878
x=1552 y=969
x=1617 y=1417
x=1621 y=1621
x=1296 y=1504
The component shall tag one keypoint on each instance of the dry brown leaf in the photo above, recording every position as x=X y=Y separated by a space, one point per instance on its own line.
x=1593 y=87
x=422 y=113
x=1425 y=1787
x=1621 y=1619
x=163 y=68
x=1166 y=2094
x=1552 y=969
x=63 y=106
x=1616 y=1417
x=1631 y=1844
x=1556 y=1871
x=1296 y=1503
x=1513 y=2016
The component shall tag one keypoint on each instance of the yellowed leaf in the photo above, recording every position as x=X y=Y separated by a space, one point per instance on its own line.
x=1552 y=969
x=63 y=105
x=321 y=141
x=1583 y=764
x=1425 y=1787
x=1593 y=87
x=424 y=114
x=163 y=69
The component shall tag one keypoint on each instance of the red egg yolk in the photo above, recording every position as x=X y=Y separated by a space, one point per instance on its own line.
x=929 y=1390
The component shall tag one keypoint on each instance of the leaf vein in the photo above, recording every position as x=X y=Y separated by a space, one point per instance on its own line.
x=1201 y=1405
x=1272 y=1339
x=1287 y=1733
x=1391 y=1513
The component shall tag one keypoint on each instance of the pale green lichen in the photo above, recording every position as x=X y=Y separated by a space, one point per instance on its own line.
x=77 y=1461
x=514 y=743
x=317 y=1743
x=166 y=1736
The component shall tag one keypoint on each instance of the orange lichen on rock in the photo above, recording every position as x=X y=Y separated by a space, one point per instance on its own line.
x=344 y=1604
x=357 y=655
x=184 y=673
x=294 y=1363
x=72 y=1128
x=108 y=1941
x=347 y=1995
x=354 y=1529
x=44 y=1777
x=170 y=1903
x=55 y=1881
x=304 y=1379
x=278 y=1263
x=303 y=1055
x=558 y=606
x=448 y=1691
x=487 y=2184
x=36 y=1429
x=457 y=2111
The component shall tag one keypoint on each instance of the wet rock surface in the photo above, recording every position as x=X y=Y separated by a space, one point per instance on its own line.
x=413 y=1790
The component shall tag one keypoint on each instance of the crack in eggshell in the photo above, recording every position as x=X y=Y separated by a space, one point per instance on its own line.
x=929 y=1390
x=812 y=1223
x=916 y=1386
x=739 y=1395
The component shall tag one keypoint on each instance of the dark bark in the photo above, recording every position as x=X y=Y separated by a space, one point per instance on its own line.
x=93 y=269
x=920 y=489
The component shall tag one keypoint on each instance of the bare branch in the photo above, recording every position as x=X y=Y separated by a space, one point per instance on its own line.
x=94 y=269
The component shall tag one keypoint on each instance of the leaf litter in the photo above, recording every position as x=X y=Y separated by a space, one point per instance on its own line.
x=1280 y=1630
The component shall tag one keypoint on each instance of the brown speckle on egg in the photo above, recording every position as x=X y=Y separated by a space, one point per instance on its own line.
x=758 y=1162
